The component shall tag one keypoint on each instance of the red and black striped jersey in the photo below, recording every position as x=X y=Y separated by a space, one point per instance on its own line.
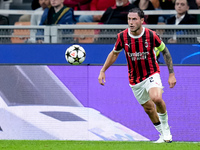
x=139 y=52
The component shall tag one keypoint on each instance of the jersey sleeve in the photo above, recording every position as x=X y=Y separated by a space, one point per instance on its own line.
x=118 y=45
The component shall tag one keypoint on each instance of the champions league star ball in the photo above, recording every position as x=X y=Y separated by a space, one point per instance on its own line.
x=75 y=54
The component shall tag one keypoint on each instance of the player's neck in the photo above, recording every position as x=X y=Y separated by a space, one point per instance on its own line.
x=137 y=32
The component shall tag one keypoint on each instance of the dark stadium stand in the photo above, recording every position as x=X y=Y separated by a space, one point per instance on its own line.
x=16 y=5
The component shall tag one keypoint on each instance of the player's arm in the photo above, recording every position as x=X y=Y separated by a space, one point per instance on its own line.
x=168 y=59
x=109 y=61
x=169 y=63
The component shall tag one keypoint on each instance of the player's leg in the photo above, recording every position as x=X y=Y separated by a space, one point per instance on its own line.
x=150 y=109
x=155 y=94
x=141 y=92
x=142 y=95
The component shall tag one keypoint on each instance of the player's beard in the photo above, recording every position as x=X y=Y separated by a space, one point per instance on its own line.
x=134 y=31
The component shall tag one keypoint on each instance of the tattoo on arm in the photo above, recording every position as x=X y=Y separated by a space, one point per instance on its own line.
x=168 y=60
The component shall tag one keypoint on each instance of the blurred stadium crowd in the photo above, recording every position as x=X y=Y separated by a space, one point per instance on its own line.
x=103 y=12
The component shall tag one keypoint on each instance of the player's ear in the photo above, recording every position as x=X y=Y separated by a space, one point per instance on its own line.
x=142 y=20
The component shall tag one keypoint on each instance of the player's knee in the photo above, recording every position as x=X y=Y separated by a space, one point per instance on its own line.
x=149 y=110
x=157 y=99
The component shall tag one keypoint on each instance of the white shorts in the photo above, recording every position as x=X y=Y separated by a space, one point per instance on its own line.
x=141 y=89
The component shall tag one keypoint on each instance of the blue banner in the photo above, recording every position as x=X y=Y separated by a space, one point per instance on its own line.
x=95 y=53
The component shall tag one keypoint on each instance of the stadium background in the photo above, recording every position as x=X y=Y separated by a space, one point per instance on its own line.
x=115 y=100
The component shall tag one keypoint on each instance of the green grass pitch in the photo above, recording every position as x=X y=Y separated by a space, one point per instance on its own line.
x=94 y=145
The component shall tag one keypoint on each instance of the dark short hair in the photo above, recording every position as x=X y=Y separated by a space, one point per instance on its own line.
x=138 y=11
x=186 y=2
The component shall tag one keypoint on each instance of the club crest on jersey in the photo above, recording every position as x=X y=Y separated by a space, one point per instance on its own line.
x=146 y=44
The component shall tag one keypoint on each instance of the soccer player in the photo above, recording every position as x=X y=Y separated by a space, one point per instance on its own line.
x=138 y=43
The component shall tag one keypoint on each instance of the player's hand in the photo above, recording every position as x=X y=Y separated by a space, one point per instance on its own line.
x=172 y=80
x=101 y=78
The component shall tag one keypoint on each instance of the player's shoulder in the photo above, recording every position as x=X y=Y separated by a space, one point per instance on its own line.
x=149 y=30
x=153 y=32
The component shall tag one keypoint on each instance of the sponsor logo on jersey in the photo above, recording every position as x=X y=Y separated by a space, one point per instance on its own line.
x=138 y=55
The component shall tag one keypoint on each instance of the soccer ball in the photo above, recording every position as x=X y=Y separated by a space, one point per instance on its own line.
x=75 y=54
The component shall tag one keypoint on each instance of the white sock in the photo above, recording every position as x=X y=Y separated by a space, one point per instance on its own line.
x=159 y=128
x=164 y=123
x=163 y=117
